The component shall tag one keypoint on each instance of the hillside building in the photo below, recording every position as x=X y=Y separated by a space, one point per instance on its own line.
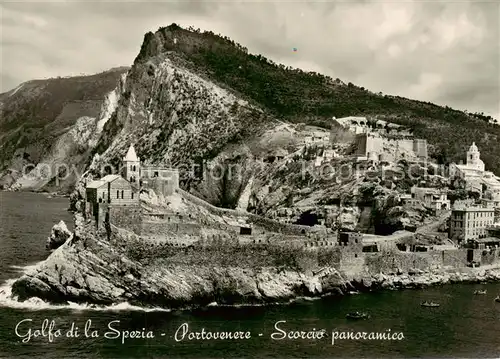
x=374 y=146
x=468 y=223
x=431 y=198
x=474 y=176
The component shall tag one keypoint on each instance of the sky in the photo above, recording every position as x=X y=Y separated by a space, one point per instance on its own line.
x=446 y=52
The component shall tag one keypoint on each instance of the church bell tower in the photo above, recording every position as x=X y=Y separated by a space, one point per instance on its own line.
x=132 y=166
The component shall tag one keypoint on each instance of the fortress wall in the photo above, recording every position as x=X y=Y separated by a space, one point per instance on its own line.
x=127 y=217
x=490 y=256
x=156 y=228
x=351 y=264
x=374 y=144
x=162 y=217
x=420 y=148
x=390 y=262
x=164 y=186
x=454 y=258
x=277 y=227
x=261 y=223
x=215 y=210
x=341 y=134
x=405 y=146
x=360 y=142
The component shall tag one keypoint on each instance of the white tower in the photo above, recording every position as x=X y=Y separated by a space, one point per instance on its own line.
x=473 y=158
x=132 y=166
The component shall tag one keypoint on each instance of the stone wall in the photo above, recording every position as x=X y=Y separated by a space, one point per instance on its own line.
x=258 y=221
x=213 y=209
x=278 y=227
x=351 y=263
x=161 y=186
x=454 y=258
x=420 y=148
x=490 y=256
x=127 y=217
x=339 y=134
x=159 y=228
x=393 y=261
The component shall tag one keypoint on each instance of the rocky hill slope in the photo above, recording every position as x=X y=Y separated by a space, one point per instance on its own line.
x=54 y=121
x=300 y=96
x=199 y=101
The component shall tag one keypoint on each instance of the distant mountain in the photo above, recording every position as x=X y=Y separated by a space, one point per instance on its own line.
x=43 y=120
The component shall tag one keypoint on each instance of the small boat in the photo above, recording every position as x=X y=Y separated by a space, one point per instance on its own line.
x=497 y=299
x=480 y=292
x=429 y=304
x=357 y=315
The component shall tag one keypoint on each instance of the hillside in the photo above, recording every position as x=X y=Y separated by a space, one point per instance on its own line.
x=299 y=96
x=37 y=117
x=191 y=97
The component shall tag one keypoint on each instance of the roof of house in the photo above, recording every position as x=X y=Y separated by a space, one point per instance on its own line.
x=131 y=155
x=485 y=240
x=95 y=184
x=102 y=181
x=280 y=152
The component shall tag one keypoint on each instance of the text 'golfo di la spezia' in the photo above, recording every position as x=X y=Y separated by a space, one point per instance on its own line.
x=28 y=331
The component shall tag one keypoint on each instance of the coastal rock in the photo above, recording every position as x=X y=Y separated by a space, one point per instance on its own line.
x=58 y=235
x=89 y=267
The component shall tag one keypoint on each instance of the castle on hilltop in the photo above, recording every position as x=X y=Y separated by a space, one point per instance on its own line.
x=379 y=141
x=120 y=192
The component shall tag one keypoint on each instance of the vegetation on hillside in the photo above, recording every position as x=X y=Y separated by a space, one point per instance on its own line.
x=313 y=98
x=33 y=117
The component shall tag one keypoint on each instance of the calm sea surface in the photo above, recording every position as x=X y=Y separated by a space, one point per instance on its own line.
x=463 y=326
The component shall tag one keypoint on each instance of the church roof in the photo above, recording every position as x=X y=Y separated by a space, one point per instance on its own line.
x=131 y=155
x=101 y=182
x=473 y=148
x=95 y=184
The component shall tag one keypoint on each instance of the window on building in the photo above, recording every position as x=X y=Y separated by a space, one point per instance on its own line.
x=117 y=194
x=155 y=174
x=122 y=194
x=132 y=195
x=133 y=168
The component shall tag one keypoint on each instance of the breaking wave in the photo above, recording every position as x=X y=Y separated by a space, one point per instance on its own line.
x=36 y=304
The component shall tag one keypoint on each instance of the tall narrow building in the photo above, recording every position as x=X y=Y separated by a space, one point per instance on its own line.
x=132 y=166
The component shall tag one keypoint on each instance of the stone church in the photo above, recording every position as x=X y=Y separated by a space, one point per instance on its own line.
x=122 y=191
x=474 y=175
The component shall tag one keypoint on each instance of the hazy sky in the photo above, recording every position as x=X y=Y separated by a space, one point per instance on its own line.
x=446 y=52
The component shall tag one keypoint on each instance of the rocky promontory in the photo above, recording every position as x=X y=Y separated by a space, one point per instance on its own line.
x=90 y=268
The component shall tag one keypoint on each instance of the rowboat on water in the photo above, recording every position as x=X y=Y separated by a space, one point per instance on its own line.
x=480 y=292
x=429 y=304
x=358 y=315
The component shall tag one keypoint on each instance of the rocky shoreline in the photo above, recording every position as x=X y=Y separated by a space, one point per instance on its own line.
x=87 y=269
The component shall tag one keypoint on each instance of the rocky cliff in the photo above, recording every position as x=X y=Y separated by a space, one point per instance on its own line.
x=48 y=127
x=90 y=269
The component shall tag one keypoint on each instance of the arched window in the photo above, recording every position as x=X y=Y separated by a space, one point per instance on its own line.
x=117 y=194
x=132 y=195
x=133 y=168
x=122 y=194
